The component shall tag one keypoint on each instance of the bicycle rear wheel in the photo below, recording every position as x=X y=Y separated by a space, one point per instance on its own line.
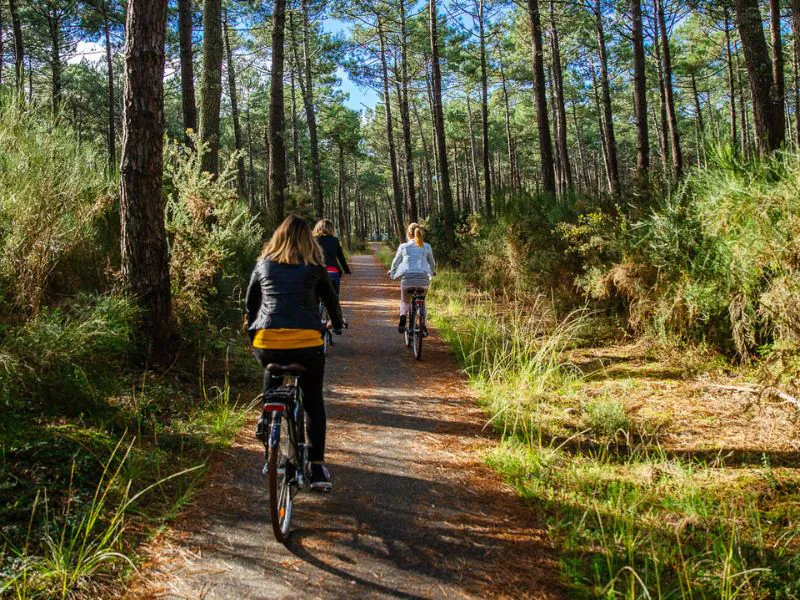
x=418 y=329
x=409 y=332
x=280 y=476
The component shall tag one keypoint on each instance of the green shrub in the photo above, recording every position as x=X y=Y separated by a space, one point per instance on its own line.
x=56 y=203
x=64 y=354
x=719 y=259
x=213 y=239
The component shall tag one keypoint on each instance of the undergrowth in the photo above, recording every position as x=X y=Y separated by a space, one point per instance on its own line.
x=629 y=518
x=96 y=450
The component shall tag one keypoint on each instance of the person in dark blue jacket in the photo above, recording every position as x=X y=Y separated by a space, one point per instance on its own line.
x=335 y=262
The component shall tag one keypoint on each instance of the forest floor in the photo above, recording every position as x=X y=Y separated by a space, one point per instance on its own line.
x=414 y=513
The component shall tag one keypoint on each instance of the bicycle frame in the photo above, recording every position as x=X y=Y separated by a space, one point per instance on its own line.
x=287 y=400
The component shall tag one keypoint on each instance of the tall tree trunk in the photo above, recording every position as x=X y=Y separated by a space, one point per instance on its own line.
x=145 y=258
x=277 y=164
x=293 y=69
x=731 y=80
x=267 y=162
x=473 y=155
x=662 y=128
x=340 y=210
x=796 y=36
x=560 y=107
x=397 y=193
x=241 y=180
x=540 y=97
x=2 y=43
x=640 y=100
x=438 y=120
x=405 y=116
x=602 y=127
x=211 y=85
x=487 y=178
x=697 y=107
x=251 y=188
x=112 y=129
x=557 y=162
x=746 y=146
x=512 y=166
x=19 y=48
x=54 y=26
x=429 y=89
x=608 y=117
x=672 y=117
x=427 y=157
x=307 y=90
x=767 y=113
x=581 y=150
x=779 y=89
x=185 y=22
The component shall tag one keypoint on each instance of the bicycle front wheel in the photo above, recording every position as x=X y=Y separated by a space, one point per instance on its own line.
x=418 y=329
x=280 y=475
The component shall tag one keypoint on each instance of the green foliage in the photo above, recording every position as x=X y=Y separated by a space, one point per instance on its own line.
x=65 y=354
x=519 y=253
x=718 y=259
x=213 y=238
x=55 y=207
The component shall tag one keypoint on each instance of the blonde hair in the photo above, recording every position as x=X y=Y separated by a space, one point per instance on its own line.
x=415 y=233
x=292 y=244
x=324 y=227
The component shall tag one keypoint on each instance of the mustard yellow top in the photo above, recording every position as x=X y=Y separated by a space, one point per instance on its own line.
x=287 y=339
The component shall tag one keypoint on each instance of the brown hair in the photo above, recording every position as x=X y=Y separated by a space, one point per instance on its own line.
x=324 y=227
x=292 y=244
x=415 y=233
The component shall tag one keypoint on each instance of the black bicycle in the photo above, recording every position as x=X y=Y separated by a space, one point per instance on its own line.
x=416 y=327
x=287 y=467
x=327 y=333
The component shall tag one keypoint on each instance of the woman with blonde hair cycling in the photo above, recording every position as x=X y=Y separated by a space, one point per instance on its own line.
x=284 y=326
x=413 y=264
x=335 y=262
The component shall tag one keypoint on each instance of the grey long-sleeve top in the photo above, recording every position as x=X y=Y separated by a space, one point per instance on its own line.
x=413 y=262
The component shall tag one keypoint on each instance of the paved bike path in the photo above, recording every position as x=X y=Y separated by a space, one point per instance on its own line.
x=413 y=514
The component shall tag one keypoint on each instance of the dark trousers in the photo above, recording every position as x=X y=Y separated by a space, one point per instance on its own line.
x=336 y=280
x=313 y=359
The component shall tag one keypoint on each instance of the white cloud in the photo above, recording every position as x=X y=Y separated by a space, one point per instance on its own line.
x=89 y=51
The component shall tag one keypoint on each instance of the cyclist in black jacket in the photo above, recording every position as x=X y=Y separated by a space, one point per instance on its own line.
x=284 y=326
x=335 y=262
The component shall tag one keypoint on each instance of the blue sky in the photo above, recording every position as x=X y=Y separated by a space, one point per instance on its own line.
x=359 y=97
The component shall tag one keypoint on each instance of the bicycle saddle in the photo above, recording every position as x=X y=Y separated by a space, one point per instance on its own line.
x=281 y=370
x=416 y=291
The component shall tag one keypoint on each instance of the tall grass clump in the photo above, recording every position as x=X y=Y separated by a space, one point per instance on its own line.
x=514 y=354
x=56 y=202
x=81 y=545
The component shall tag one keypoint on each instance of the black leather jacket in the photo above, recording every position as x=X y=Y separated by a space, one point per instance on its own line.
x=287 y=296
x=334 y=255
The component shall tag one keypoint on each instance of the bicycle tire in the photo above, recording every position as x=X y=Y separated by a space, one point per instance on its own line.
x=280 y=493
x=409 y=332
x=418 y=327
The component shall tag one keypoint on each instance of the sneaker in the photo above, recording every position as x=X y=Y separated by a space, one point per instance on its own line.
x=320 y=478
x=424 y=331
x=401 y=327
